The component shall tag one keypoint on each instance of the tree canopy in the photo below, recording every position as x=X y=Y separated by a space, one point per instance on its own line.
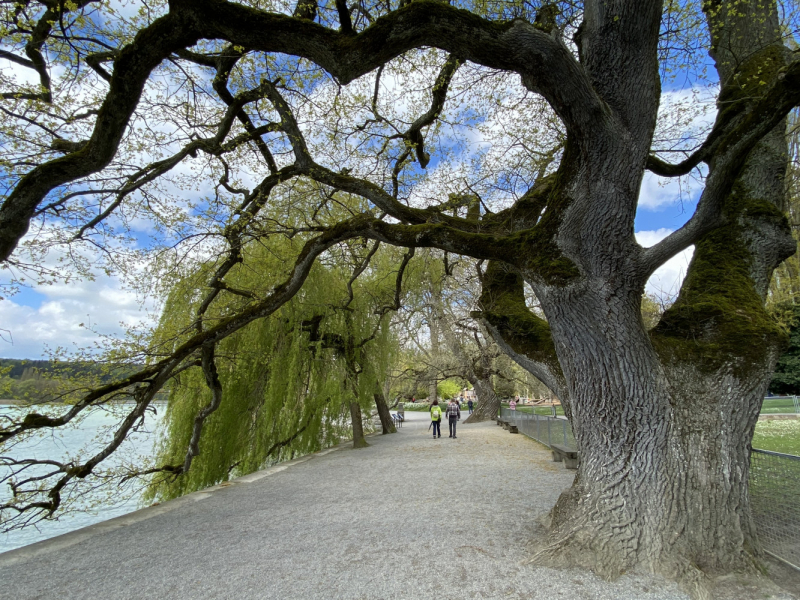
x=174 y=141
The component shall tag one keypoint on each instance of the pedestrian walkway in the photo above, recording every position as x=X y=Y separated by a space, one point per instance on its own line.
x=409 y=517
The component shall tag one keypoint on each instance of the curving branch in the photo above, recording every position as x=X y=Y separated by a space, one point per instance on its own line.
x=515 y=46
x=439 y=95
x=96 y=60
x=520 y=333
x=398 y=286
x=133 y=67
x=153 y=171
x=153 y=376
x=737 y=130
x=10 y=56
x=360 y=268
x=664 y=169
x=214 y=384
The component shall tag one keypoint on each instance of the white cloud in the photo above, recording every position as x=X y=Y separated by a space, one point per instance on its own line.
x=684 y=120
x=666 y=282
x=74 y=316
x=657 y=193
x=74 y=313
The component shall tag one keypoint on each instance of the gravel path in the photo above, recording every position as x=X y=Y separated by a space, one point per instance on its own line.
x=408 y=517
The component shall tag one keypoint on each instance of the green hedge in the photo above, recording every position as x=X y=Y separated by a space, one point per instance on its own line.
x=425 y=407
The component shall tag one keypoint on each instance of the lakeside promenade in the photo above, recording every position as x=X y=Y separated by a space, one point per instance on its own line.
x=408 y=517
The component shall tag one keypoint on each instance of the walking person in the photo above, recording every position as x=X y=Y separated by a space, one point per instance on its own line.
x=436 y=419
x=513 y=404
x=453 y=415
x=470 y=405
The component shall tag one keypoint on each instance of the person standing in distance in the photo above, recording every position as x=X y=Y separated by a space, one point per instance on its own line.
x=453 y=415
x=436 y=418
x=470 y=405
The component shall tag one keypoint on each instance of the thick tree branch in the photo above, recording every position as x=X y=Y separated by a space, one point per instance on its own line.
x=738 y=129
x=439 y=95
x=214 y=384
x=133 y=67
x=360 y=268
x=515 y=46
x=664 y=169
x=95 y=61
x=10 y=56
x=345 y=23
x=520 y=333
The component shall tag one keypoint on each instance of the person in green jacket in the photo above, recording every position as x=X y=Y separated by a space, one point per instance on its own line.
x=436 y=419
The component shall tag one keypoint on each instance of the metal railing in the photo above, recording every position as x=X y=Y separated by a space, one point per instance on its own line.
x=542 y=428
x=775 y=502
x=774 y=484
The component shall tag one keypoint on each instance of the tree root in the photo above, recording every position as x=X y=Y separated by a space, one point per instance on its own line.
x=580 y=545
x=577 y=550
x=475 y=418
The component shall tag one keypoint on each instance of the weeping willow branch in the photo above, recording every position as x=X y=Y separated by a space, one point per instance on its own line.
x=154 y=376
x=358 y=271
x=213 y=383
x=285 y=442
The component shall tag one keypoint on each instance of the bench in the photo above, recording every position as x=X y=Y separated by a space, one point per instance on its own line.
x=499 y=420
x=398 y=419
x=513 y=429
x=568 y=455
x=505 y=424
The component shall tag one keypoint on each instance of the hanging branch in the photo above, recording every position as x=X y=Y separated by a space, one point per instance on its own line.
x=213 y=383
x=358 y=271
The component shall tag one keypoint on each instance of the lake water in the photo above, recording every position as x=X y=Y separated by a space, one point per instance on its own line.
x=92 y=506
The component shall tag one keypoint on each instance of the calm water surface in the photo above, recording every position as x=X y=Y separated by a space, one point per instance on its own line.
x=81 y=440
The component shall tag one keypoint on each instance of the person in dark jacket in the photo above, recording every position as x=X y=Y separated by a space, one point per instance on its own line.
x=453 y=415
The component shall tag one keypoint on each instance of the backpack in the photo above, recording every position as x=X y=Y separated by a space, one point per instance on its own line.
x=436 y=413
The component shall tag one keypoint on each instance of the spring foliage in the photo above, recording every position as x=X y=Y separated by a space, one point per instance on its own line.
x=283 y=394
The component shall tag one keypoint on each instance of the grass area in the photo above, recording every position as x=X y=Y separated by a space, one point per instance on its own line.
x=538 y=410
x=777 y=405
x=778 y=436
x=416 y=406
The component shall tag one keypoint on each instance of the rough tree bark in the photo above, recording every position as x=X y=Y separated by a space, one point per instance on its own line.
x=663 y=421
x=359 y=441
x=387 y=425
x=488 y=402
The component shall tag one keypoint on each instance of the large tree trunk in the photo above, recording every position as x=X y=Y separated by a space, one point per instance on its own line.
x=355 y=408
x=359 y=441
x=664 y=450
x=383 y=412
x=663 y=420
x=488 y=402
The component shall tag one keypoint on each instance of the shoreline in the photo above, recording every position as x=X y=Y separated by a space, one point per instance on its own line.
x=26 y=404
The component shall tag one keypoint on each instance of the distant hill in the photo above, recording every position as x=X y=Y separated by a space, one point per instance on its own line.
x=36 y=381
